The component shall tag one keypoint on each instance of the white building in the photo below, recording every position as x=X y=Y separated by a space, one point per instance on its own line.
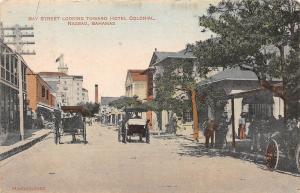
x=85 y=95
x=136 y=84
x=67 y=88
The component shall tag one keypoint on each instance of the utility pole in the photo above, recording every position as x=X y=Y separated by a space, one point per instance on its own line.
x=16 y=33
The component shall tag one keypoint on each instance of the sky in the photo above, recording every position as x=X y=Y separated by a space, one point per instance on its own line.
x=103 y=54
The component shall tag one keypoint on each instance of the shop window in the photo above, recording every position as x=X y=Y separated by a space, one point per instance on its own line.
x=2 y=73
x=12 y=65
x=2 y=60
x=43 y=91
x=7 y=62
x=7 y=76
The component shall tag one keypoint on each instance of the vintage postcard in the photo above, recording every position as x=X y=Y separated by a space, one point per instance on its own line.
x=150 y=96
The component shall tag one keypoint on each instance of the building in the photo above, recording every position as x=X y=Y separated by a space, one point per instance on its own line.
x=136 y=84
x=85 y=95
x=243 y=94
x=67 y=88
x=159 y=121
x=39 y=93
x=9 y=83
x=109 y=115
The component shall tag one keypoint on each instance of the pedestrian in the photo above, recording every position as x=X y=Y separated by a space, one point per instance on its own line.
x=210 y=133
x=242 y=128
x=34 y=120
x=255 y=138
x=174 y=124
x=222 y=130
x=42 y=120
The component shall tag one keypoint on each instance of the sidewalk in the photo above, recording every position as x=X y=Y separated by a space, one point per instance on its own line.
x=13 y=146
x=242 y=148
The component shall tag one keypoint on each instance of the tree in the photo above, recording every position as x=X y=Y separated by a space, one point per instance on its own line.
x=175 y=89
x=258 y=35
x=126 y=102
x=90 y=108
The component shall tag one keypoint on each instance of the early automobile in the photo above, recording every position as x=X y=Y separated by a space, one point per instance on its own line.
x=134 y=125
x=72 y=123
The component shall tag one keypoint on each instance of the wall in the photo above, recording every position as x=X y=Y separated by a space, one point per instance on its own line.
x=35 y=92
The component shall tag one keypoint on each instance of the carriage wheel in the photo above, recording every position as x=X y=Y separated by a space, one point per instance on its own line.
x=147 y=135
x=272 y=154
x=297 y=156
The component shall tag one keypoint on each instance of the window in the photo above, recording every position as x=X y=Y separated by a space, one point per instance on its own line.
x=2 y=73
x=7 y=62
x=2 y=60
x=43 y=91
x=47 y=95
x=187 y=116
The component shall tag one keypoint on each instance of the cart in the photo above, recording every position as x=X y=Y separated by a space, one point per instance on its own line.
x=134 y=125
x=284 y=147
x=72 y=123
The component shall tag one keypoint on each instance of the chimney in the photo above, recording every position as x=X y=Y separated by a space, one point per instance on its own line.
x=96 y=94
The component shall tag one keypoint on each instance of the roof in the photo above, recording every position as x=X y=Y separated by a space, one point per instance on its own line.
x=230 y=74
x=52 y=74
x=107 y=100
x=137 y=75
x=39 y=78
x=161 y=56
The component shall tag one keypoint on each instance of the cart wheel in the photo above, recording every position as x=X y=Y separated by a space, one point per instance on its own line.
x=147 y=135
x=84 y=134
x=125 y=136
x=272 y=154
x=297 y=156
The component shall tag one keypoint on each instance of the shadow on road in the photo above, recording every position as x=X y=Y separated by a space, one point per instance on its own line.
x=195 y=149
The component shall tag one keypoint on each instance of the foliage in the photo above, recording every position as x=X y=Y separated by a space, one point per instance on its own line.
x=258 y=35
x=173 y=85
x=90 y=108
x=125 y=102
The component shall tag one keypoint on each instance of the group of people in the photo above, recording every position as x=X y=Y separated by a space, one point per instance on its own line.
x=37 y=120
x=216 y=131
x=258 y=130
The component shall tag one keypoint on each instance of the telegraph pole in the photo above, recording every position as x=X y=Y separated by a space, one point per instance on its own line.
x=16 y=33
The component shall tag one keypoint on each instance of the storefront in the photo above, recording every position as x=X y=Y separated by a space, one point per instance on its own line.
x=9 y=82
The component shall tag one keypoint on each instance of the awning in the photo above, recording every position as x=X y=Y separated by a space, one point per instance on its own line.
x=41 y=105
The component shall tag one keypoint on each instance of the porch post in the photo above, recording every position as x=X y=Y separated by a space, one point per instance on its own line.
x=232 y=122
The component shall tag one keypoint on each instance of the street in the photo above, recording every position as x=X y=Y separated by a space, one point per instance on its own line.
x=105 y=165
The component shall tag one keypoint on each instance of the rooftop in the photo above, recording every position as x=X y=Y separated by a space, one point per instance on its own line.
x=52 y=74
x=137 y=75
x=160 y=56
x=230 y=74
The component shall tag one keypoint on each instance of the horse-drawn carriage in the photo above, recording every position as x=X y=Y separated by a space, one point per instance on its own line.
x=134 y=125
x=284 y=147
x=71 y=123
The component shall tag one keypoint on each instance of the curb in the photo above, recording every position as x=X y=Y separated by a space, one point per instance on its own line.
x=22 y=147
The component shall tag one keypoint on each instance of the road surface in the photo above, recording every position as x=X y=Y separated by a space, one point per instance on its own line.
x=106 y=166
